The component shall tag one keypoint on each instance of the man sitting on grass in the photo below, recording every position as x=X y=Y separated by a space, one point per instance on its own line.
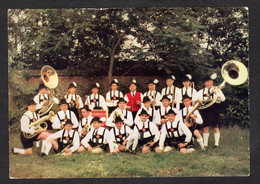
x=147 y=131
x=68 y=140
x=122 y=136
x=97 y=139
x=174 y=133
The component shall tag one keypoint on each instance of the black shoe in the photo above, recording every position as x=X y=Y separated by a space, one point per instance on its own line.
x=133 y=152
x=14 y=152
x=216 y=147
x=42 y=154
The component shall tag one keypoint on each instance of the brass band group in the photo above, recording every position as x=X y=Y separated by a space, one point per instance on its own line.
x=172 y=119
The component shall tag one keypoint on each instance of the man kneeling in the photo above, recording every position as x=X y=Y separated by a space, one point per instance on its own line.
x=96 y=140
x=174 y=133
x=68 y=140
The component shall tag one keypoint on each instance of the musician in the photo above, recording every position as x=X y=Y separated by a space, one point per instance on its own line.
x=67 y=140
x=154 y=115
x=74 y=101
x=187 y=89
x=133 y=98
x=210 y=115
x=30 y=116
x=147 y=131
x=172 y=92
x=174 y=133
x=84 y=123
x=113 y=96
x=122 y=136
x=164 y=108
x=97 y=139
x=127 y=115
x=64 y=115
x=154 y=95
x=196 y=119
x=95 y=100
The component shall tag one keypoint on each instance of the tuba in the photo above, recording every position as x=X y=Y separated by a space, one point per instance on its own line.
x=233 y=72
x=50 y=79
x=188 y=119
x=40 y=124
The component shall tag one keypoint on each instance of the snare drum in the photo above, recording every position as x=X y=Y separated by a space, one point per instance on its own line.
x=100 y=114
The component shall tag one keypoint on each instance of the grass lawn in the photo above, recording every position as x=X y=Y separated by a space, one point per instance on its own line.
x=230 y=159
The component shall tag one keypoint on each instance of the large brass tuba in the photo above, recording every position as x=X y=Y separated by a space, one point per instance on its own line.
x=233 y=72
x=40 y=124
x=50 y=79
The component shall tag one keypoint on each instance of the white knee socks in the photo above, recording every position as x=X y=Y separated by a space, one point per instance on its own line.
x=205 y=139
x=216 y=137
x=200 y=141
x=19 y=151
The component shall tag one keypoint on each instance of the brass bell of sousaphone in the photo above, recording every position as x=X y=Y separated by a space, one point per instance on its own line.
x=50 y=79
x=234 y=73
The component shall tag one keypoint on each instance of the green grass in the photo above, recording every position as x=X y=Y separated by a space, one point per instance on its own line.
x=230 y=159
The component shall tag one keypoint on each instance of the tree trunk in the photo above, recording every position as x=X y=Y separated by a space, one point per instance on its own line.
x=112 y=56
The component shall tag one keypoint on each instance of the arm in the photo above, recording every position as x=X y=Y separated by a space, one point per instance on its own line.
x=25 y=121
x=80 y=102
x=86 y=139
x=55 y=135
x=56 y=100
x=103 y=102
x=162 y=137
x=129 y=121
x=36 y=100
x=74 y=120
x=199 y=118
x=155 y=131
x=158 y=99
x=109 y=121
x=186 y=131
x=75 y=142
x=56 y=123
x=137 y=118
x=156 y=118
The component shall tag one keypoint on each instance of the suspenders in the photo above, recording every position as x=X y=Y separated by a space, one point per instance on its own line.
x=69 y=141
x=96 y=139
x=173 y=130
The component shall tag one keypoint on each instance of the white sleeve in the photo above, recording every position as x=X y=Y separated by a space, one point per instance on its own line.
x=86 y=139
x=158 y=99
x=156 y=118
x=130 y=133
x=108 y=96
x=25 y=121
x=56 y=100
x=200 y=95
x=74 y=120
x=55 y=135
x=103 y=103
x=129 y=120
x=163 y=91
x=136 y=132
x=156 y=132
x=162 y=137
x=80 y=127
x=121 y=95
x=109 y=121
x=106 y=136
x=56 y=123
x=67 y=100
x=80 y=102
x=199 y=118
x=221 y=95
x=194 y=95
x=75 y=142
x=186 y=132
x=137 y=118
x=126 y=98
x=36 y=100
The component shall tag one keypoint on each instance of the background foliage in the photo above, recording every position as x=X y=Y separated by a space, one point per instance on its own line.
x=119 y=42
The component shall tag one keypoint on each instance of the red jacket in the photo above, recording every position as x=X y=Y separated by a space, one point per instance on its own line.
x=132 y=101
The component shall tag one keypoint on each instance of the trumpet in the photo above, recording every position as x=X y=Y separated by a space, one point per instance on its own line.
x=37 y=125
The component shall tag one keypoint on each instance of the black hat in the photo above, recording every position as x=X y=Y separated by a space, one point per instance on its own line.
x=96 y=119
x=41 y=86
x=118 y=119
x=68 y=122
x=72 y=85
x=187 y=77
x=186 y=96
x=96 y=85
x=31 y=102
x=121 y=100
x=63 y=101
x=132 y=82
x=146 y=99
x=155 y=81
x=171 y=111
x=165 y=97
x=212 y=77
x=144 y=112
x=86 y=107
x=115 y=81
x=170 y=77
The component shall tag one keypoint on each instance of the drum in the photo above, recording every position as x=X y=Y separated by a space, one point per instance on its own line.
x=100 y=114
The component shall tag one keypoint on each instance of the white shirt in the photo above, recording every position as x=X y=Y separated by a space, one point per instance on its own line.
x=99 y=103
x=158 y=97
x=183 y=130
x=183 y=112
x=70 y=115
x=177 y=94
x=153 y=128
x=85 y=121
x=89 y=137
x=25 y=121
x=115 y=93
x=190 y=92
x=123 y=130
x=152 y=112
x=202 y=94
x=75 y=141
x=70 y=97
x=128 y=121
x=39 y=97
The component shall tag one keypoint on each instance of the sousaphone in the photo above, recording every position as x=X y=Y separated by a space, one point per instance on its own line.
x=234 y=73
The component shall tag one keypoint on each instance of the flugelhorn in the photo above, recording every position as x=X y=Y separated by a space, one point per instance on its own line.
x=233 y=72
x=50 y=79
